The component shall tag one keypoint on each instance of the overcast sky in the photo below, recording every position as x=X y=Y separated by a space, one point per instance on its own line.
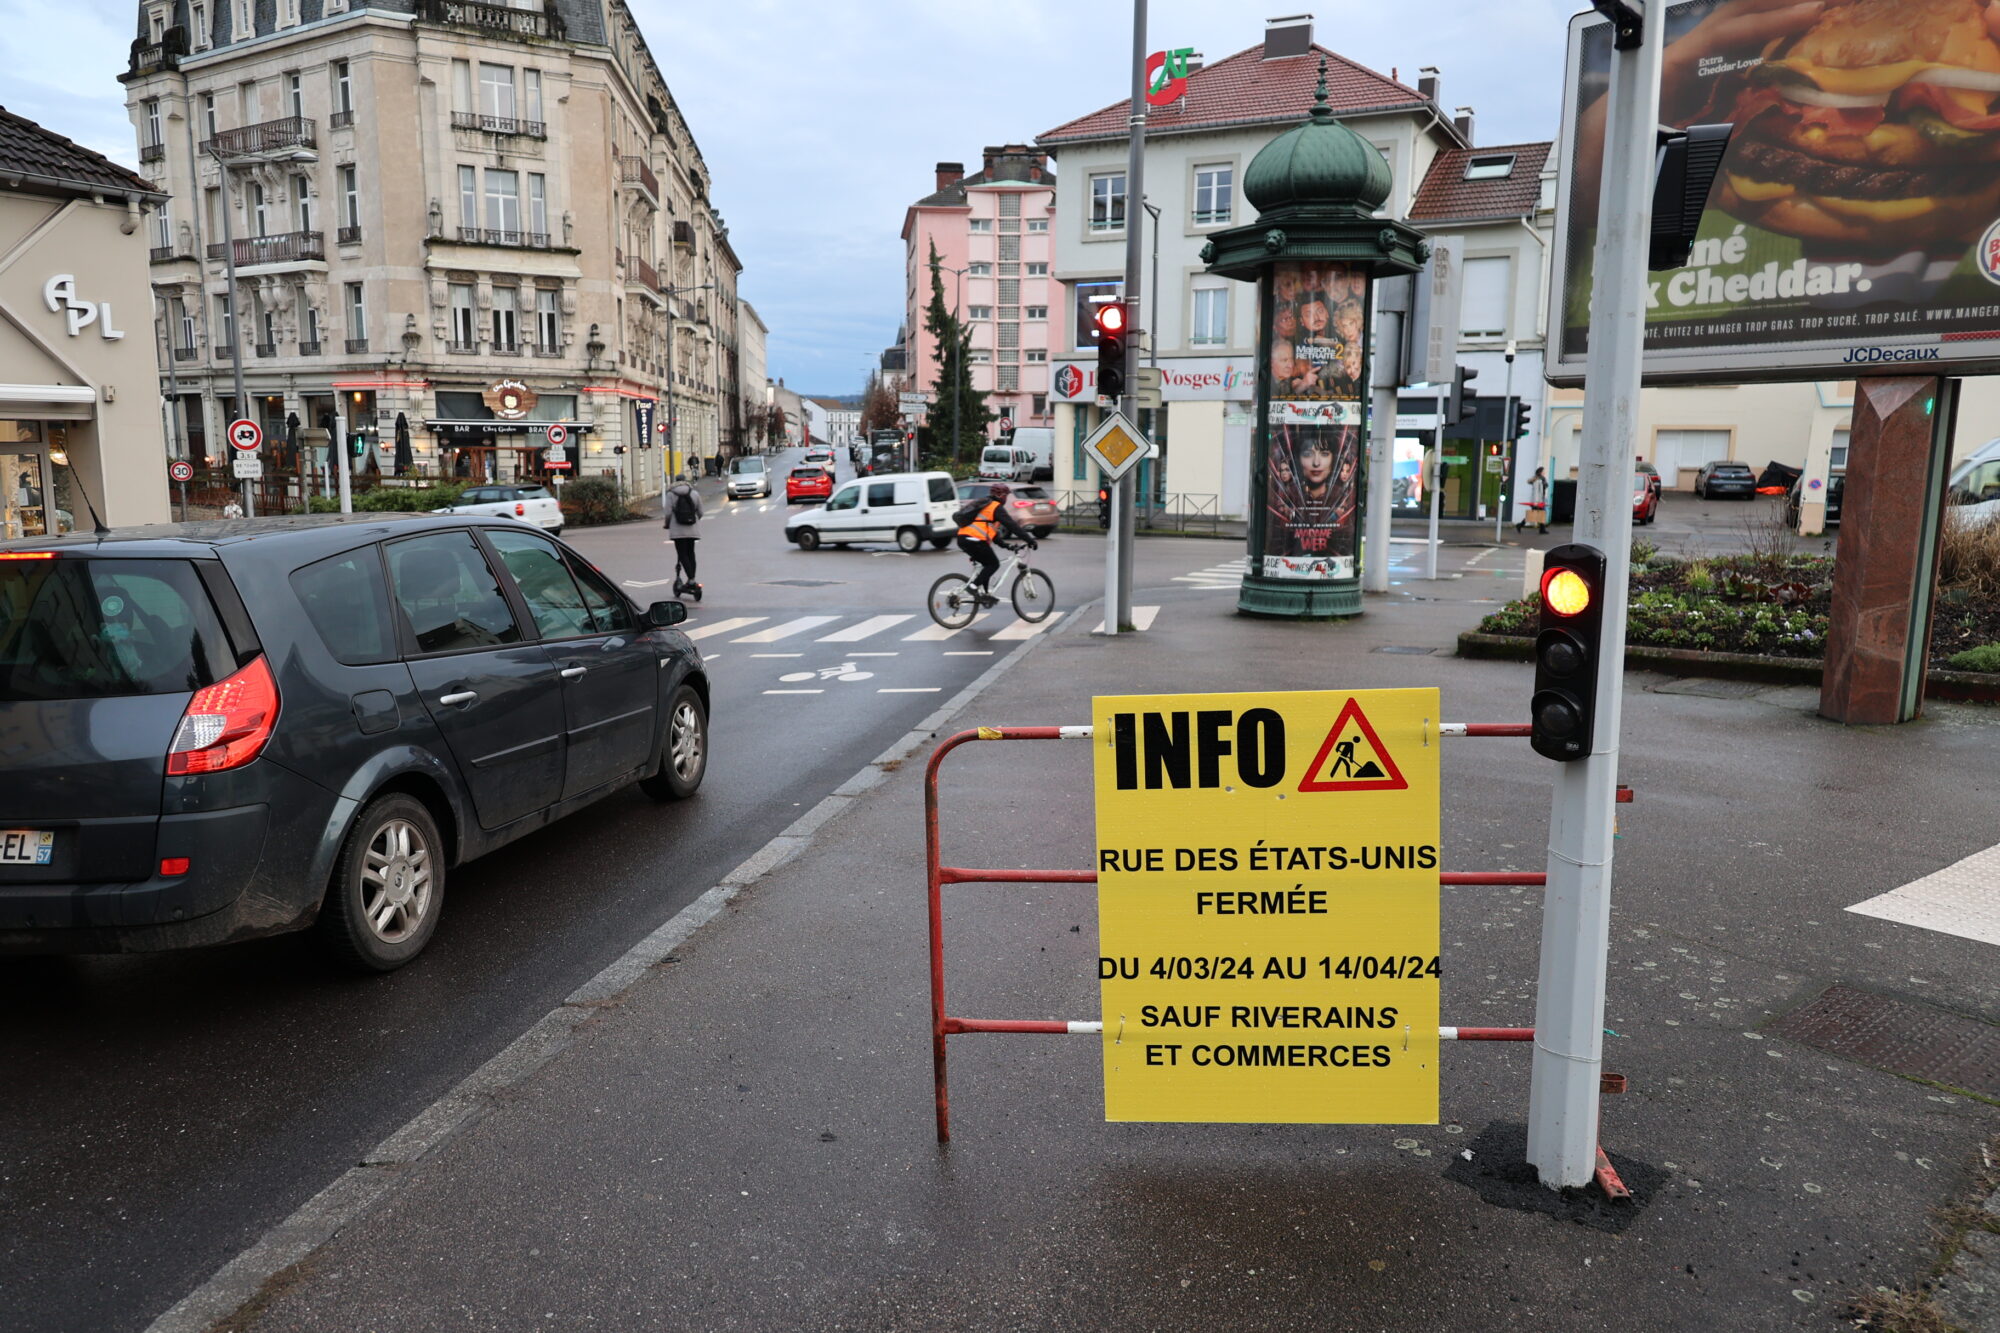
x=821 y=119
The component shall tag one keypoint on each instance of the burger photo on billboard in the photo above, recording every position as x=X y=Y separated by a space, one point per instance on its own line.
x=1874 y=130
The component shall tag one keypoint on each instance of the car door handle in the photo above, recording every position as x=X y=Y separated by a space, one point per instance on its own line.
x=461 y=697
x=571 y=673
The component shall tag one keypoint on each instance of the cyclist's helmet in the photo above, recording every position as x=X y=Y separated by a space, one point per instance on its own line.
x=1000 y=490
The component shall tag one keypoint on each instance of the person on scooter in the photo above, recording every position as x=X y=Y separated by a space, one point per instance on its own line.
x=683 y=506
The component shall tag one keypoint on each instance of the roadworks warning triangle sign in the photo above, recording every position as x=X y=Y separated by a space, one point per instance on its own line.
x=1353 y=758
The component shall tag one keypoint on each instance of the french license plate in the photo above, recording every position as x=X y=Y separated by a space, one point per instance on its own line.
x=26 y=846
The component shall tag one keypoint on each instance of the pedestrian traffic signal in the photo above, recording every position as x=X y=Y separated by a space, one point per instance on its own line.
x=1521 y=410
x=1111 y=332
x=1567 y=651
x=1460 y=405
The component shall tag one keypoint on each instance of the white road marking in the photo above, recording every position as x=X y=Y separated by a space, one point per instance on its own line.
x=914 y=689
x=724 y=626
x=795 y=691
x=1142 y=619
x=983 y=652
x=777 y=654
x=647 y=583
x=763 y=509
x=1021 y=629
x=786 y=630
x=866 y=629
x=874 y=654
x=1473 y=560
x=1957 y=900
x=938 y=633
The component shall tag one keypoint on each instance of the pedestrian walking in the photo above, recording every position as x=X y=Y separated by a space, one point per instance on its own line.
x=684 y=509
x=1536 y=510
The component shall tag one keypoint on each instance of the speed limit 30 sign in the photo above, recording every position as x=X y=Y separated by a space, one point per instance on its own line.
x=245 y=434
x=181 y=470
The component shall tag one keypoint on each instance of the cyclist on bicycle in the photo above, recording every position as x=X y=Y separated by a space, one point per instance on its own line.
x=981 y=524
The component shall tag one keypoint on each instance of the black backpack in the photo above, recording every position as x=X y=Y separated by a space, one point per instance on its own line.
x=969 y=511
x=685 y=512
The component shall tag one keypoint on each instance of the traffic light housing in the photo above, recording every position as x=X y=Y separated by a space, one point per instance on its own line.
x=1521 y=412
x=1568 y=649
x=1683 y=174
x=1459 y=405
x=1113 y=327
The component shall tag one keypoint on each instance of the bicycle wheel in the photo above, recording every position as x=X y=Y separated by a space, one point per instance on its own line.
x=1034 y=595
x=952 y=602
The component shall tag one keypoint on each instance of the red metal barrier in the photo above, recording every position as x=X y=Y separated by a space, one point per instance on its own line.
x=939 y=875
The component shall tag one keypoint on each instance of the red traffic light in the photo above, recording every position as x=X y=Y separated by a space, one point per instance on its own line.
x=1565 y=592
x=1111 y=317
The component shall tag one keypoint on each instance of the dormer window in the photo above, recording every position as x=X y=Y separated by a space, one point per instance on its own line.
x=1489 y=166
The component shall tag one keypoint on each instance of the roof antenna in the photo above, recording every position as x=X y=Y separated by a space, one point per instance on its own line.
x=60 y=457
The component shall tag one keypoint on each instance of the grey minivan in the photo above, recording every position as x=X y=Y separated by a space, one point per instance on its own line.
x=210 y=732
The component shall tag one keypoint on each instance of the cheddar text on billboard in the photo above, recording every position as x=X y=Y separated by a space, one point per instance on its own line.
x=1701 y=284
x=1870 y=354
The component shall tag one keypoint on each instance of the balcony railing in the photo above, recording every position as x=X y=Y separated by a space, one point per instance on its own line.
x=518 y=240
x=684 y=234
x=152 y=152
x=356 y=346
x=349 y=236
x=291 y=247
x=152 y=57
x=309 y=349
x=271 y=135
x=635 y=171
x=341 y=120
x=162 y=253
x=187 y=354
x=492 y=18
x=225 y=351
x=639 y=271
x=267 y=349
x=473 y=120
x=461 y=348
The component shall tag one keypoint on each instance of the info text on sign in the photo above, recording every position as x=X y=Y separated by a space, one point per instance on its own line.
x=1267 y=873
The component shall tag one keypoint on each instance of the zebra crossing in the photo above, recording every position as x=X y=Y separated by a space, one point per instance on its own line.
x=761 y=630
x=1228 y=574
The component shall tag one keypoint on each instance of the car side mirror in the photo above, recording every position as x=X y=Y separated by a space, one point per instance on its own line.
x=665 y=615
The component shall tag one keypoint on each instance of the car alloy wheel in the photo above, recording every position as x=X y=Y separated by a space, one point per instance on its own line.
x=683 y=749
x=388 y=886
x=396 y=881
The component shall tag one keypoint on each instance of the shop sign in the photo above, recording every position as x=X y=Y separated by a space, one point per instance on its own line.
x=509 y=400
x=1186 y=379
x=59 y=294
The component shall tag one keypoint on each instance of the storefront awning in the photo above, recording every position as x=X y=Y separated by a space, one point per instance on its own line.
x=48 y=402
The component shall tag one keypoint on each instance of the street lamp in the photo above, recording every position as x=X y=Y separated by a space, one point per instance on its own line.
x=223 y=163
x=673 y=424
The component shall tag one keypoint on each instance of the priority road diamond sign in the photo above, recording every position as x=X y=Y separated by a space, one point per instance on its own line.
x=1117 y=446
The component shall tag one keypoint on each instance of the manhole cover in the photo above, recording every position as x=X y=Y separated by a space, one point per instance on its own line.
x=1404 y=650
x=802 y=583
x=1914 y=1040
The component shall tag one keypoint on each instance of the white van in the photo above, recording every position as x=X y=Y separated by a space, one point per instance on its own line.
x=1039 y=443
x=1974 y=488
x=907 y=508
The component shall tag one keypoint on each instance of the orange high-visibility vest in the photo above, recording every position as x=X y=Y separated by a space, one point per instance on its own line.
x=984 y=527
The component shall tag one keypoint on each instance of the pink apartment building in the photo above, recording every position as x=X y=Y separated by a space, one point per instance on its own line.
x=991 y=230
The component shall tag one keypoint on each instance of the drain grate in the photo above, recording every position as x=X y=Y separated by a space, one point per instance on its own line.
x=802 y=583
x=1404 y=650
x=1914 y=1040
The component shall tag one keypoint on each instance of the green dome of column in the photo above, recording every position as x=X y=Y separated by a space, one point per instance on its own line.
x=1321 y=164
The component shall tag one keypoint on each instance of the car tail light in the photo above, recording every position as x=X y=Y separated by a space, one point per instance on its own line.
x=520 y=510
x=172 y=866
x=27 y=555
x=226 y=724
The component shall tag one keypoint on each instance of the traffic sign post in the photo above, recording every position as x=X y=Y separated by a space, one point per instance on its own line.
x=181 y=472
x=1117 y=446
x=246 y=437
x=1267 y=876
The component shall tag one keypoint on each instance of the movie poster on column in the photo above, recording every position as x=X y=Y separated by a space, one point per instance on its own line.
x=1855 y=225
x=1318 y=314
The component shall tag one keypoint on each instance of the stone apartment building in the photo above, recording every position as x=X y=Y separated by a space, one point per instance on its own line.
x=434 y=205
x=995 y=255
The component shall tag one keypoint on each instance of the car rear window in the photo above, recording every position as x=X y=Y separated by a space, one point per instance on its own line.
x=942 y=489
x=809 y=473
x=534 y=493
x=344 y=598
x=1031 y=493
x=98 y=629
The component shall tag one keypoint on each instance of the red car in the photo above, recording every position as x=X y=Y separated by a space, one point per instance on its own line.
x=1645 y=500
x=808 y=483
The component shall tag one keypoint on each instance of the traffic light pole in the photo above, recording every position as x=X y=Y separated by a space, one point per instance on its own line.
x=1576 y=907
x=1124 y=529
x=1507 y=452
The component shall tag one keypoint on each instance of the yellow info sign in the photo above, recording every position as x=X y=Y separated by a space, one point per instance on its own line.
x=1267 y=895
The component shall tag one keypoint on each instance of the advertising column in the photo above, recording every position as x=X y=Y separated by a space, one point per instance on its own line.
x=1312 y=421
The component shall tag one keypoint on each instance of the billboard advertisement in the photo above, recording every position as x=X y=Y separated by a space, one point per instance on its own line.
x=1855 y=225
x=1313 y=420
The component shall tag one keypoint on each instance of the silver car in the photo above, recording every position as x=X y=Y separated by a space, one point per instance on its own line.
x=749 y=476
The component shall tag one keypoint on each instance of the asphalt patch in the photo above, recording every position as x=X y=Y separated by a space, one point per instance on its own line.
x=1497 y=1171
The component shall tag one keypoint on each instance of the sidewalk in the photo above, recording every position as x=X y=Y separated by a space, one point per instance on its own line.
x=740 y=1136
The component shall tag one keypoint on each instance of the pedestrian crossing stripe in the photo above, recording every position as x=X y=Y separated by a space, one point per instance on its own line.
x=1376 y=771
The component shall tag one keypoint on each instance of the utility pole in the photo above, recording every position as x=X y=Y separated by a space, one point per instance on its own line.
x=1118 y=551
x=1506 y=450
x=1576 y=906
x=235 y=322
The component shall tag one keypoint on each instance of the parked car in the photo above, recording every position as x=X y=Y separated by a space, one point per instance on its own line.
x=1652 y=475
x=908 y=508
x=1974 y=487
x=1032 y=506
x=1836 y=486
x=749 y=476
x=1719 y=478
x=529 y=502
x=225 y=730
x=808 y=483
x=1645 y=498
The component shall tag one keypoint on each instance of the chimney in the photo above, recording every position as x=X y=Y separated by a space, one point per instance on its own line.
x=1427 y=83
x=950 y=173
x=1288 y=36
x=1462 y=117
